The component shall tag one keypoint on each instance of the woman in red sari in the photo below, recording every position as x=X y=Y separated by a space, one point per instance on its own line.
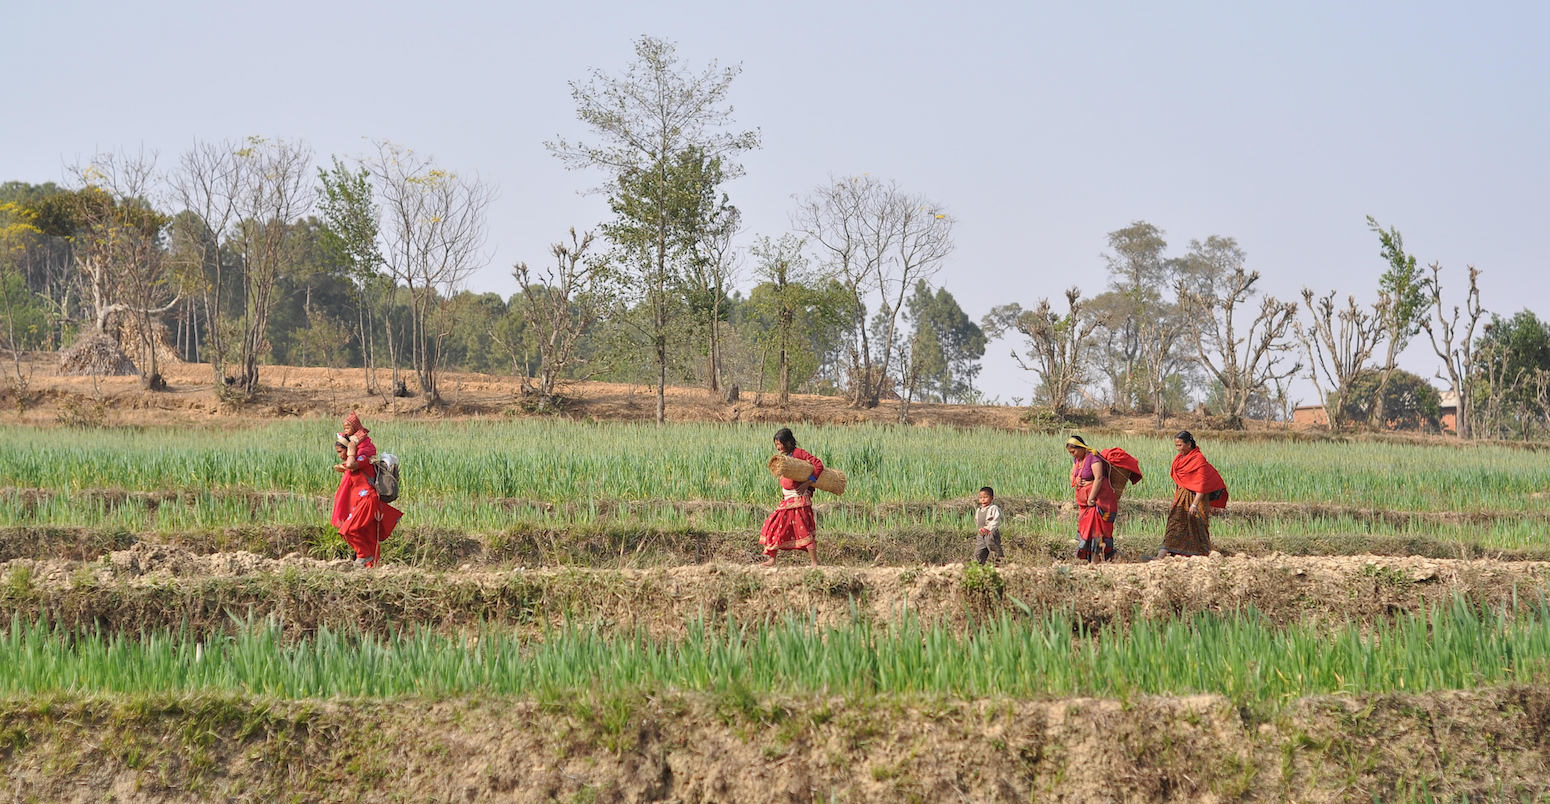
x=1095 y=499
x=362 y=519
x=792 y=526
x=1199 y=488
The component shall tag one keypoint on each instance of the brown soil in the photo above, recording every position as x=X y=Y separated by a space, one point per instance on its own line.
x=156 y=587
x=313 y=391
x=1476 y=745
x=52 y=397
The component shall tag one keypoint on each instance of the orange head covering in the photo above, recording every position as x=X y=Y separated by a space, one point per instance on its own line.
x=352 y=423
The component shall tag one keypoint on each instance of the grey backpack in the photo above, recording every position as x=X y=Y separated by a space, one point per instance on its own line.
x=386 y=481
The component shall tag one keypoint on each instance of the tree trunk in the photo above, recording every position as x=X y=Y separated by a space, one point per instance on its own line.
x=661 y=344
x=713 y=373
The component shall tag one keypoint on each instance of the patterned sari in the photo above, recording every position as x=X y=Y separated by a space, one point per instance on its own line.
x=792 y=526
x=1189 y=533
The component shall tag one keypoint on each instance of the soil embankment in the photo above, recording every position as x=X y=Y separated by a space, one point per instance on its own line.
x=1478 y=745
x=156 y=587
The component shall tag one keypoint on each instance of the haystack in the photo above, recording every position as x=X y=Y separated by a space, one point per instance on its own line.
x=96 y=354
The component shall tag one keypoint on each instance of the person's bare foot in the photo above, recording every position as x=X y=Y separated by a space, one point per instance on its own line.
x=768 y=562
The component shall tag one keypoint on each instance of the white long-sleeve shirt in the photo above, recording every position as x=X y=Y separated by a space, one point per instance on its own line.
x=988 y=518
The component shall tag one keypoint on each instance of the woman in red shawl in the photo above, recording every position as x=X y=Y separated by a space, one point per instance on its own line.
x=363 y=520
x=1199 y=489
x=792 y=525
x=1095 y=499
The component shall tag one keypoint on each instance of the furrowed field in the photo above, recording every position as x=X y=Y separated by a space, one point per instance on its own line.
x=570 y=611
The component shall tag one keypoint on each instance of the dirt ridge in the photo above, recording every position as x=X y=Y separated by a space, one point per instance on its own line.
x=1485 y=744
x=155 y=587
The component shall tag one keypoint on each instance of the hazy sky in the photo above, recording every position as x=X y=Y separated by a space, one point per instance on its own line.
x=1040 y=126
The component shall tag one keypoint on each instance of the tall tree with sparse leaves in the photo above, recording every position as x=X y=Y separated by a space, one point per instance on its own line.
x=643 y=121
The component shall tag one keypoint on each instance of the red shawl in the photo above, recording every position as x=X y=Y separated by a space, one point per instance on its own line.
x=1192 y=471
x=1115 y=456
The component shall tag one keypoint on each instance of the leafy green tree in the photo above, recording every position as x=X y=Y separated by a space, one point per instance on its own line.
x=470 y=343
x=1512 y=367
x=948 y=345
x=350 y=219
x=1404 y=294
x=1140 y=280
x=40 y=250
x=1411 y=402
x=645 y=121
x=314 y=301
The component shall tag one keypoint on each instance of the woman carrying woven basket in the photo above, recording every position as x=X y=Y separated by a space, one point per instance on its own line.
x=1199 y=489
x=792 y=526
x=1095 y=499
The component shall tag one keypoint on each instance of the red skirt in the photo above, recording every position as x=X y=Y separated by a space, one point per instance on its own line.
x=363 y=520
x=1096 y=523
x=791 y=526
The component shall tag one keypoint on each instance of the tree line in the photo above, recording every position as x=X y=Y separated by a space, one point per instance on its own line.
x=246 y=254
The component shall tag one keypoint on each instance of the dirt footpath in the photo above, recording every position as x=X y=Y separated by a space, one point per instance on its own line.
x=151 y=586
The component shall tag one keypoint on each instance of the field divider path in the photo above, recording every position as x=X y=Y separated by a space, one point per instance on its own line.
x=149 y=587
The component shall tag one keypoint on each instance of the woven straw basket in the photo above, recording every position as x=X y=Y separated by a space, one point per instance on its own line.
x=832 y=480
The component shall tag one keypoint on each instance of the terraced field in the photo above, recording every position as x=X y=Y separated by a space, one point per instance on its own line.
x=570 y=612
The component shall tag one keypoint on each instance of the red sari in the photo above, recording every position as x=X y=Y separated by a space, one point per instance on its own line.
x=1097 y=521
x=363 y=520
x=792 y=526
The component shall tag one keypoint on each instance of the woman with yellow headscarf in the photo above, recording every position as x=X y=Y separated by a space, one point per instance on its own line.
x=1095 y=498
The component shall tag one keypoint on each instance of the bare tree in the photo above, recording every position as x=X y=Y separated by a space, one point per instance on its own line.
x=245 y=199
x=877 y=241
x=713 y=267
x=1162 y=335
x=207 y=183
x=1455 y=347
x=118 y=250
x=564 y=302
x=1057 y=344
x=273 y=193
x=1338 y=345
x=1244 y=363
x=434 y=233
x=645 y=122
